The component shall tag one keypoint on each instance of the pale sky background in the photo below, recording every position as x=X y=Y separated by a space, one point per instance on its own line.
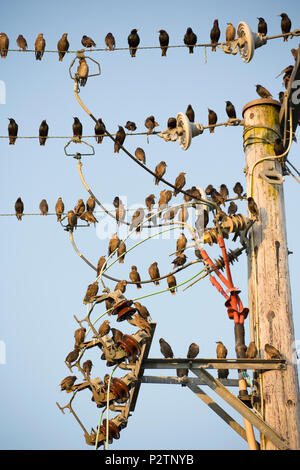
x=44 y=281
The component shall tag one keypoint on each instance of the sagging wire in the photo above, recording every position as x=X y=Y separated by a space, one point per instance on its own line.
x=98 y=429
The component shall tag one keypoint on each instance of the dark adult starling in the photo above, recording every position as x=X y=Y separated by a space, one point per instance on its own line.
x=62 y=46
x=59 y=208
x=72 y=219
x=281 y=96
x=117 y=201
x=12 y=131
x=262 y=27
x=154 y=273
x=172 y=123
x=99 y=131
x=114 y=242
x=224 y=192
x=72 y=356
x=82 y=71
x=193 y=351
x=221 y=350
x=119 y=139
x=215 y=35
x=232 y=209
x=21 y=42
x=135 y=277
x=278 y=146
x=238 y=189
x=19 y=208
x=179 y=183
x=133 y=41
x=212 y=119
x=77 y=129
x=121 y=252
x=79 y=336
x=150 y=123
x=252 y=206
x=130 y=126
x=4 y=44
x=67 y=383
x=209 y=189
x=91 y=292
x=262 y=92
x=163 y=41
x=230 y=110
x=179 y=260
x=181 y=243
x=87 y=367
x=140 y=155
x=286 y=25
x=117 y=335
x=79 y=209
x=172 y=283
x=89 y=218
x=137 y=219
x=165 y=349
x=251 y=352
x=121 y=285
x=143 y=311
x=43 y=132
x=216 y=197
x=40 y=45
x=104 y=328
x=87 y=42
x=272 y=352
x=190 y=39
x=150 y=201
x=230 y=32
x=44 y=207
x=110 y=41
x=223 y=373
x=160 y=170
x=100 y=264
x=90 y=204
x=190 y=113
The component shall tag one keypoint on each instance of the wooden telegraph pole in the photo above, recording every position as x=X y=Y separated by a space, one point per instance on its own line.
x=271 y=319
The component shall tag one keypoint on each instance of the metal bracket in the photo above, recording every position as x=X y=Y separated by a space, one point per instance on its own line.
x=270 y=174
x=78 y=155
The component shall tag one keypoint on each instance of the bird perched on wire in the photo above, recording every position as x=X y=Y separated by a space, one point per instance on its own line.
x=110 y=41
x=4 y=45
x=262 y=92
x=252 y=207
x=286 y=25
x=171 y=123
x=238 y=189
x=59 y=208
x=114 y=242
x=120 y=213
x=165 y=349
x=190 y=113
x=130 y=126
x=209 y=189
x=40 y=45
x=91 y=292
x=72 y=356
x=251 y=352
x=19 y=208
x=121 y=252
x=100 y=264
x=87 y=41
x=77 y=129
x=79 y=208
x=224 y=192
x=272 y=352
x=160 y=170
x=99 y=131
x=83 y=71
x=72 y=220
x=43 y=132
x=87 y=367
x=140 y=155
x=133 y=41
x=230 y=32
x=21 y=42
x=181 y=243
x=232 y=209
x=154 y=273
x=67 y=383
x=230 y=110
x=89 y=218
x=104 y=328
x=215 y=35
x=140 y=322
x=179 y=260
x=62 y=46
x=190 y=39
x=135 y=277
x=119 y=139
x=262 y=27
x=150 y=201
x=212 y=119
x=121 y=285
x=150 y=123
x=137 y=219
x=216 y=197
x=12 y=131
x=163 y=41
x=79 y=336
x=90 y=204
x=44 y=207
x=179 y=183
x=172 y=283
x=143 y=311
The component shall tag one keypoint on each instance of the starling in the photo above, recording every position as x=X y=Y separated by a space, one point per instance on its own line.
x=120 y=213
x=224 y=191
x=77 y=129
x=160 y=170
x=230 y=110
x=215 y=35
x=212 y=119
x=117 y=201
x=262 y=92
x=193 y=351
x=183 y=214
x=165 y=349
x=238 y=189
x=21 y=42
x=190 y=39
x=272 y=352
x=150 y=123
x=91 y=292
x=172 y=283
x=82 y=71
x=286 y=25
x=119 y=139
x=216 y=197
x=170 y=214
x=150 y=201
x=99 y=131
x=44 y=207
x=121 y=252
x=89 y=217
x=209 y=189
x=154 y=273
x=295 y=52
x=59 y=208
x=278 y=146
x=232 y=209
x=79 y=208
x=130 y=126
x=67 y=383
x=62 y=46
x=110 y=41
x=114 y=242
x=137 y=219
x=79 y=336
x=168 y=194
x=72 y=356
x=162 y=202
x=179 y=260
x=190 y=113
x=163 y=41
x=87 y=367
x=182 y=372
x=223 y=373
x=143 y=311
x=179 y=183
x=43 y=132
x=100 y=264
x=221 y=350
x=104 y=328
x=262 y=27
x=172 y=123
x=19 y=208
x=133 y=41
x=188 y=197
x=252 y=207
x=87 y=42
x=121 y=285
x=141 y=323
x=140 y=155
x=281 y=96
x=4 y=44
x=230 y=32
x=181 y=243
x=72 y=219
x=12 y=131
x=195 y=193
x=117 y=335
x=40 y=45
x=251 y=352
x=90 y=204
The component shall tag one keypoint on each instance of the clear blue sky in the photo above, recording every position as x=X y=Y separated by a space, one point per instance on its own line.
x=43 y=280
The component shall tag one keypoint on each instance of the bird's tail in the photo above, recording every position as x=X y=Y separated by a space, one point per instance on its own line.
x=191 y=49
x=117 y=148
x=213 y=48
x=211 y=130
x=156 y=283
x=139 y=286
x=58 y=217
x=164 y=52
x=132 y=52
x=19 y=217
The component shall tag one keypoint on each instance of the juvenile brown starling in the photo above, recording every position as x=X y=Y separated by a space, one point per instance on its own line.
x=59 y=208
x=154 y=273
x=193 y=351
x=262 y=27
x=140 y=155
x=150 y=123
x=143 y=311
x=120 y=213
x=160 y=170
x=87 y=367
x=168 y=194
x=104 y=328
x=272 y=352
x=89 y=218
x=172 y=283
x=230 y=110
x=181 y=243
x=62 y=46
x=79 y=208
x=79 y=336
x=179 y=260
x=21 y=42
x=67 y=383
x=77 y=129
x=44 y=207
x=232 y=209
x=135 y=277
x=212 y=119
x=216 y=197
x=83 y=71
x=172 y=123
x=72 y=356
x=190 y=39
x=278 y=146
x=87 y=42
x=40 y=45
x=163 y=41
x=165 y=349
x=119 y=139
x=251 y=352
x=262 y=92
x=209 y=189
x=121 y=285
x=130 y=126
x=100 y=264
x=162 y=202
x=4 y=44
x=190 y=113
x=150 y=201
x=215 y=35
x=43 y=132
x=224 y=191
x=91 y=292
x=12 y=131
x=72 y=219
x=90 y=204
x=221 y=350
x=252 y=206
x=137 y=219
x=230 y=32
x=121 y=252
x=238 y=189
x=99 y=131
x=117 y=335
x=114 y=242
x=110 y=41
x=19 y=208
x=286 y=25
x=133 y=41
x=140 y=322
x=179 y=183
